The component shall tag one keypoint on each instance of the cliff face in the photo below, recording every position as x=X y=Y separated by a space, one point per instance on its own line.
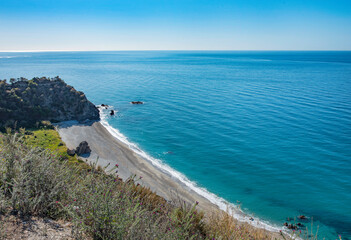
x=29 y=101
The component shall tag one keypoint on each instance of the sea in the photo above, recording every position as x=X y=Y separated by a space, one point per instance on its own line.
x=268 y=131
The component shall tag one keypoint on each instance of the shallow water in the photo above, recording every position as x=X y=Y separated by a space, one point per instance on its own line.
x=268 y=130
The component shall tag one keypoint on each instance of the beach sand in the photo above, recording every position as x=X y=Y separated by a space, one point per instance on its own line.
x=109 y=150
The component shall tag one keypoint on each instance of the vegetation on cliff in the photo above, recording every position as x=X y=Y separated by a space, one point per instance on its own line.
x=36 y=181
x=28 y=102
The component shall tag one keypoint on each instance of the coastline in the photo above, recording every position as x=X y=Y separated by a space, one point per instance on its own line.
x=109 y=150
x=110 y=147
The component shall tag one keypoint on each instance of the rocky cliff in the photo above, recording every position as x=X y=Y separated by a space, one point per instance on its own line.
x=29 y=101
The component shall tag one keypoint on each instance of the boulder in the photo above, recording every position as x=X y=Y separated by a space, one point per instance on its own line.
x=71 y=152
x=83 y=148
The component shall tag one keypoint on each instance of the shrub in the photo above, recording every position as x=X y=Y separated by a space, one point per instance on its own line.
x=32 y=178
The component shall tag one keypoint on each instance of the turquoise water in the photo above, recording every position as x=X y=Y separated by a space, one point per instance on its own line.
x=270 y=130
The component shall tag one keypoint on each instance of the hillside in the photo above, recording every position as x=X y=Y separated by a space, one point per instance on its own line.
x=43 y=196
x=29 y=101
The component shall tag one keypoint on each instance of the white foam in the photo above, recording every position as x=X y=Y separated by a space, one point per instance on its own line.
x=224 y=205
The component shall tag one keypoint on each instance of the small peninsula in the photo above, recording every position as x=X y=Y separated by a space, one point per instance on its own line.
x=26 y=102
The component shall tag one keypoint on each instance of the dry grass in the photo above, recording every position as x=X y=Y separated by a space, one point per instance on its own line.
x=221 y=225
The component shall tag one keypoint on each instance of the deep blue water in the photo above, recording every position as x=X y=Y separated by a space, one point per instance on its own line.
x=271 y=130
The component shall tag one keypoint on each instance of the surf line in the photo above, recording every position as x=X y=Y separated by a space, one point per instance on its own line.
x=224 y=205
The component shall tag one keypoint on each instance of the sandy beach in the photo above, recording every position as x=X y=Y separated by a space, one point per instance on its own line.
x=109 y=150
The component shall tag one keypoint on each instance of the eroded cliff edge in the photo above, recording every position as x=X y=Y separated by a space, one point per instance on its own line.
x=28 y=101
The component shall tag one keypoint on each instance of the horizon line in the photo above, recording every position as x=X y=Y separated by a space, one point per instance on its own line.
x=150 y=50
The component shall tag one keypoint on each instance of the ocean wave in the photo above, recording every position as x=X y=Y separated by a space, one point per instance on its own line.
x=224 y=205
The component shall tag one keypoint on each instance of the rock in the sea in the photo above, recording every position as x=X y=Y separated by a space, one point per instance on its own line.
x=83 y=148
x=137 y=102
x=71 y=152
x=112 y=112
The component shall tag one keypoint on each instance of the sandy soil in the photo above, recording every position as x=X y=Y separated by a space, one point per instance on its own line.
x=34 y=228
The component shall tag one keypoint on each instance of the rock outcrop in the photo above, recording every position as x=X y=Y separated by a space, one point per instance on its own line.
x=83 y=148
x=29 y=101
x=71 y=152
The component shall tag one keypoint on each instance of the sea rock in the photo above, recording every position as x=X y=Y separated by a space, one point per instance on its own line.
x=83 y=148
x=112 y=112
x=136 y=102
x=71 y=152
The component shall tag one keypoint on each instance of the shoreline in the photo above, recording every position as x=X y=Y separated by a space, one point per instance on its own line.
x=110 y=147
x=109 y=150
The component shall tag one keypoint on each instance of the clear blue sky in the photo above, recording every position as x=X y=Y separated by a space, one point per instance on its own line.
x=175 y=25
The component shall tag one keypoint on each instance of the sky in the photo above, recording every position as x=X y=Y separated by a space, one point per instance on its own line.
x=88 y=25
